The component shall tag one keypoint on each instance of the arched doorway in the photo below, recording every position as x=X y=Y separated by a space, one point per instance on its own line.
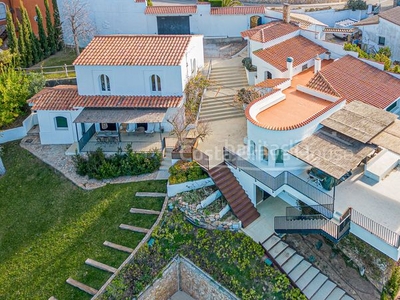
x=255 y=21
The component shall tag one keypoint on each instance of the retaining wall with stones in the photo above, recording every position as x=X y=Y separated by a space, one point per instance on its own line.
x=183 y=275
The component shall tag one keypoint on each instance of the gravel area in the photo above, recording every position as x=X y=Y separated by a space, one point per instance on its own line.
x=54 y=155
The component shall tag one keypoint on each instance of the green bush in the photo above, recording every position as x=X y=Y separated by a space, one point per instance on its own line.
x=184 y=171
x=392 y=287
x=130 y=163
x=215 y=3
x=246 y=62
x=356 y=5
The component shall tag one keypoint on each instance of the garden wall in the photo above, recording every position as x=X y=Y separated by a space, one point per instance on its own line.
x=183 y=275
x=19 y=132
x=174 y=189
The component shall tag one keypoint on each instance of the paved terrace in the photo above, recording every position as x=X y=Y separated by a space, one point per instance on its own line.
x=379 y=201
x=297 y=107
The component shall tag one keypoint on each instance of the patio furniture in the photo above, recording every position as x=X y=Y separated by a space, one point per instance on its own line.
x=107 y=137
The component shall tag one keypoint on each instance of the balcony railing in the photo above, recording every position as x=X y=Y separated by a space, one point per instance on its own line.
x=284 y=178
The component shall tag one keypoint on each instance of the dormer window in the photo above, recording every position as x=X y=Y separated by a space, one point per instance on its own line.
x=105 y=83
x=155 y=83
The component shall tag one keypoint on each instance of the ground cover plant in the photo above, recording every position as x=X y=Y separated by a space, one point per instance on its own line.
x=232 y=259
x=49 y=227
x=99 y=166
x=184 y=171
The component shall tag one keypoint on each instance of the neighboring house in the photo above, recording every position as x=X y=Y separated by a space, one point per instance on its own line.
x=382 y=30
x=125 y=83
x=15 y=8
x=301 y=121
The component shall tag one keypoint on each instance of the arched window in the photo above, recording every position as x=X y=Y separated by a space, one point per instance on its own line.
x=155 y=83
x=264 y=153
x=3 y=11
x=61 y=123
x=252 y=148
x=279 y=156
x=255 y=21
x=105 y=83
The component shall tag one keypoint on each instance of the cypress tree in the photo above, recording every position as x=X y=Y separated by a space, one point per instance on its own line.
x=57 y=26
x=42 y=33
x=50 y=29
x=21 y=46
x=12 y=36
x=26 y=31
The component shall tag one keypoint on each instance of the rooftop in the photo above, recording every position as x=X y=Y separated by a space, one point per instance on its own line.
x=134 y=50
x=368 y=21
x=354 y=79
x=270 y=31
x=171 y=10
x=296 y=110
x=238 y=10
x=391 y=15
x=300 y=48
x=67 y=98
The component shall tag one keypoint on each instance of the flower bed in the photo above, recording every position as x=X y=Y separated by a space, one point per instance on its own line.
x=184 y=171
x=233 y=259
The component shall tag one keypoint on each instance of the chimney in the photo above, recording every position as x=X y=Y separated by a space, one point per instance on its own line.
x=286 y=13
x=317 y=64
x=289 y=66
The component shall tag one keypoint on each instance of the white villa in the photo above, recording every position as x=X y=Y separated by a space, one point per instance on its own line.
x=125 y=84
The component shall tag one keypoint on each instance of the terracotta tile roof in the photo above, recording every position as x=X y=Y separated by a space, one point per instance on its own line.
x=354 y=79
x=300 y=48
x=271 y=83
x=67 y=98
x=238 y=10
x=391 y=15
x=134 y=50
x=270 y=31
x=170 y=10
x=342 y=30
x=368 y=21
x=319 y=83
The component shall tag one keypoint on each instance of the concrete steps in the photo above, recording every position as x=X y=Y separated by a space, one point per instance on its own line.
x=313 y=284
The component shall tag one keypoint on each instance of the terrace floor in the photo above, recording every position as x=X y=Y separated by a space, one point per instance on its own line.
x=297 y=107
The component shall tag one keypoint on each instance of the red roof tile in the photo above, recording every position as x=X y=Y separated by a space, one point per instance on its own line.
x=271 y=83
x=67 y=98
x=134 y=50
x=270 y=31
x=299 y=48
x=170 y=10
x=354 y=79
x=238 y=10
x=391 y=15
x=319 y=83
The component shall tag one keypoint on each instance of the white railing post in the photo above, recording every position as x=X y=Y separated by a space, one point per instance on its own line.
x=66 y=70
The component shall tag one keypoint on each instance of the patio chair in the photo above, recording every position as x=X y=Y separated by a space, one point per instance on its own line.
x=130 y=128
x=150 y=128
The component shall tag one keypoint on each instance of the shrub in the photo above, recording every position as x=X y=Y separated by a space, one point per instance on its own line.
x=98 y=166
x=184 y=171
x=194 y=91
x=356 y=5
x=392 y=286
x=246 y=95
x=246 y=62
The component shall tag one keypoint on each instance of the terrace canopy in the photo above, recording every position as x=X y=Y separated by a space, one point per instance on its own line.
x=332 y=153
x=112 y=115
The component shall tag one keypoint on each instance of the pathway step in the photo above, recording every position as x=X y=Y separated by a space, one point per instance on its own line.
x=99 y=265
x=144 y=211
x=285 y=255
x=306 y=278
x=133 y=228
x=52 y=298
x=118 y=247
x=299 y=270
x=271 y=242
x=314 y=285
x=277 y=249
x=292 y=263
x=336 y=294
x=81 y=286
x=150 y=194
x=324 y=290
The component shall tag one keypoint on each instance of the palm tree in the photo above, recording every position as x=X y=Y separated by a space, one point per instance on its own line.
x=226 y=3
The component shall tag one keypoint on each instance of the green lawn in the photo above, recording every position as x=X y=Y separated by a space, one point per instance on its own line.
x=49 y=227
x=61 y=58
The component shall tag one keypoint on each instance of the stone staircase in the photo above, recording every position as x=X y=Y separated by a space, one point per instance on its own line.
x=313 y=284
x=233 y=192
x=165 y=165
x=218 y=101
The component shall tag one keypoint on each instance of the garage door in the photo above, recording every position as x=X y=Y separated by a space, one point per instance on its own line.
x=173 y=25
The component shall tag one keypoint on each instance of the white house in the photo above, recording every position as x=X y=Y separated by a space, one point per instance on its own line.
x=125 y=83
x=382 y=30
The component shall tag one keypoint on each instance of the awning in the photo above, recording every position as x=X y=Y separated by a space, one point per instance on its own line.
x=110 y=115
x=335 y=154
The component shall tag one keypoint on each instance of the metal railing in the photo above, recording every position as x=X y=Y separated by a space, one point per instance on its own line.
x=284 y=178
x=389 y=236
x=201 y=158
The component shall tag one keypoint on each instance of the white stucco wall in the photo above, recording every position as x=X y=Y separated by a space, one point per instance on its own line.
x=331 y=16
x=49 y=134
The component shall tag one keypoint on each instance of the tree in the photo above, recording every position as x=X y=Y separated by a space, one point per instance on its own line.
x=12 y=36
x=25 y=35
x=50 y=29
x=5 y=56
x=226 y=3
x=57 y=26
x=21 y=47
x=78 y=26
x=42 y=33
x=16 y=87
x=356 y=5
